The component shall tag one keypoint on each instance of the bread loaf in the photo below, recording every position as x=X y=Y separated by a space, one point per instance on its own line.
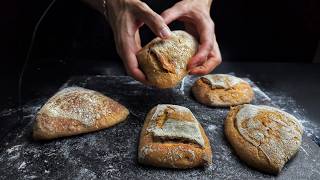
x=76 y=110
x=222 y=90
x=172 y=137
x=164 y=61
x=264 y=137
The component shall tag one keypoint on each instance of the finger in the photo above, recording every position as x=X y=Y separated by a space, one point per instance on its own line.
x=132 y=67
x=214 y=59
x=206 y=67
x=128 y=45
x=153 y=20
x=206 y=32
x=174 y=13
x=200 y=57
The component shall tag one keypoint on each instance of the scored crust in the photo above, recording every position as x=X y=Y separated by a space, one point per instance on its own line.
x=274 y=147
x=164 y=61
x=172 y=153
x=75 y=111
x=240 y=93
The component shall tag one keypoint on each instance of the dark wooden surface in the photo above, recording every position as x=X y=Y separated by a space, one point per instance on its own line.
x=112 y=153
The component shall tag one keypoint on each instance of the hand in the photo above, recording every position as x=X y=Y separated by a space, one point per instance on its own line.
x=196 y=16
x=125 y=18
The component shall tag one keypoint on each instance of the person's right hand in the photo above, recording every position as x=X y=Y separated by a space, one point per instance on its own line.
x=125 y=18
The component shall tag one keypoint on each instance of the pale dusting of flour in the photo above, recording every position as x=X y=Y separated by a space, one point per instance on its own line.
x=175 y=128
x=290 y=131
x=222 y=80
x=77 y=103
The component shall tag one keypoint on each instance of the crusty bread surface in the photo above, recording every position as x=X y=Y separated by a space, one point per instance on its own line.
x=263 y=137
x=164 y=147
x=76 y=110
x=222 y=90
x=164 y=61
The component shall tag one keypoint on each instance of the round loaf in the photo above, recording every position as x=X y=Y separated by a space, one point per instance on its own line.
x=76 y=110
x=222 y=90
x=164 y=61
x=262 y=136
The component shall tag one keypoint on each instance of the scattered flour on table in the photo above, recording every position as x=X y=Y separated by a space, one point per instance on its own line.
x=212 y=127
x=73 y=151
x=289 y=105
x=86 y=174
x=14 y=148
x=22 y=165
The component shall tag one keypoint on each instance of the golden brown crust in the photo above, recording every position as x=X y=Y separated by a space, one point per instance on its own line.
x=164 y=62
x=49 y=127
x=255 y=155
x=241 y=93
x=172 y=154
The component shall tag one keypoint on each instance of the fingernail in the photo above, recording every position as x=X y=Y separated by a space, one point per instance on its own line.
x=165 y=32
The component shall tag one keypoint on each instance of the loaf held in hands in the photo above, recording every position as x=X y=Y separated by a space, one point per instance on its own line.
x=164 y=61
x=76 y=110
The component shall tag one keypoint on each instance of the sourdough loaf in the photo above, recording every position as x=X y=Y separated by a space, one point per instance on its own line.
x=76 y=110
x=164 y=61
x=172 y=137
x=222 y=90
x=262 y=136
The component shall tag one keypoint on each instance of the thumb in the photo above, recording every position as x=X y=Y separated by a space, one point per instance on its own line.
x=154 y=21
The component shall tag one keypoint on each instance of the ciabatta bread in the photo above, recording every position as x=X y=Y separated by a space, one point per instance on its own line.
x=76 y=110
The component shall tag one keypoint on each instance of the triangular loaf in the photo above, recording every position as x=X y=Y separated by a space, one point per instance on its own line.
x=76 y=110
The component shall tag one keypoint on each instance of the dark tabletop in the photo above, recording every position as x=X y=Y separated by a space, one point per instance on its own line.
x=111 y=153
x=300 y=81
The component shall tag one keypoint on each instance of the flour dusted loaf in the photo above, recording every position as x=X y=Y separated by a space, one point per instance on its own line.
x=172 y=137
x=164 y=61
x=262 y=136
x=222 y=90
x=76 y=110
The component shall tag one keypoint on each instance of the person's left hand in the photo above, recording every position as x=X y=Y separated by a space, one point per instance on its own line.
x=196 y=16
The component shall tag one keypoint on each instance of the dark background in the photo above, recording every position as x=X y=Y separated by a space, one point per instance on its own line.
x=74 y=39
